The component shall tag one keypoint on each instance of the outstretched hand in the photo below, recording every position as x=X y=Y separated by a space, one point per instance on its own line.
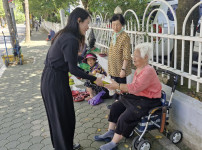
x=112 y=86
x=99 y=82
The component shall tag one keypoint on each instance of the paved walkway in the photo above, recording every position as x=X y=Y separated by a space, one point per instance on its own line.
x=23 y=121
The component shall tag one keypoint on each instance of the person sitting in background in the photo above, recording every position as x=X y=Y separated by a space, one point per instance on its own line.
x=51 y=35
x=90 y=48
x=94 y=89
x=91 y=40
x=143 y=94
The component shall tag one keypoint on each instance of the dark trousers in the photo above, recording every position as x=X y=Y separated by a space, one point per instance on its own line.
x=49 y=37
x=126 y=116
x=118 y=80
x=58 y=102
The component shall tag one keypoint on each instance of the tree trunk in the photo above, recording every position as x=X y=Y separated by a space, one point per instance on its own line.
x=9 y=22
x=85 y=4
x=27 y=37
x=183 y=8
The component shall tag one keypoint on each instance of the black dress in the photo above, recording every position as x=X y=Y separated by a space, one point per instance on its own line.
x=56 y=93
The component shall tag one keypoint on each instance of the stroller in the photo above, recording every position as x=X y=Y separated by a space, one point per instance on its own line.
x=157 y=119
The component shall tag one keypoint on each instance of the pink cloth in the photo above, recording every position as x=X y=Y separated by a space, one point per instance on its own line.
x=146 y=83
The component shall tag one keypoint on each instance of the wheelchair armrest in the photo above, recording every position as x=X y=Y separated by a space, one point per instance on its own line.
x=153 y=110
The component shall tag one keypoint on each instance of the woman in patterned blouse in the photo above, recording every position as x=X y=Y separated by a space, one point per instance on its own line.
x=119 y=55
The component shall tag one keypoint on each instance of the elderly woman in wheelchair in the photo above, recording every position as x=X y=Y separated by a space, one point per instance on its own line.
x=140 y=96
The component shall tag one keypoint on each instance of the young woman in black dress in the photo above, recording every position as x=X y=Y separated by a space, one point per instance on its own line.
x=62 y=58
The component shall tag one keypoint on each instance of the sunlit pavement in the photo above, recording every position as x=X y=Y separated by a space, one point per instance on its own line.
x=23 y=121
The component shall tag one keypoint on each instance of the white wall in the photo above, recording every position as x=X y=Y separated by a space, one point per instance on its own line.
x=186 y=116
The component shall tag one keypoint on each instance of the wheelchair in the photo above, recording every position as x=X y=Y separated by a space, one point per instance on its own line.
x=157 y=119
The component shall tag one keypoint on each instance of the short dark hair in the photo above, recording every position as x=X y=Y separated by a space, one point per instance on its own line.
x=118 y=17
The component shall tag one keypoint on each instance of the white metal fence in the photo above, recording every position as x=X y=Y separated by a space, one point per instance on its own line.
x=163 y=37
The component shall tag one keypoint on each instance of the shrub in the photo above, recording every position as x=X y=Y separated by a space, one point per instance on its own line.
x=19 y=17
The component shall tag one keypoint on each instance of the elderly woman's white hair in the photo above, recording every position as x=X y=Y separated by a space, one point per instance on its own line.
x=145 y=49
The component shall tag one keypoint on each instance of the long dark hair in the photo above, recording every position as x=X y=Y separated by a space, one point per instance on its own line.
x=73 y=26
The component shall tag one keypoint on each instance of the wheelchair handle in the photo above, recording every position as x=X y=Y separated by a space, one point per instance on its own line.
x=175 y=79
x=166 y=72
x=175 y=76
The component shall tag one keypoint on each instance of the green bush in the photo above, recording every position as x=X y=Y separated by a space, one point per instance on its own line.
x=54 y=18
x=19 y=17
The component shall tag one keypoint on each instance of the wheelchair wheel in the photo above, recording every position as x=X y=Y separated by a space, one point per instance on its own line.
x=135 y=142
x=176 y=136
x=144 y=145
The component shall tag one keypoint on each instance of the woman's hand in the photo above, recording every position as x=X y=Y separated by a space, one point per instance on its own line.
x=122 y=74
x=99 y=82
x=79 y=53
x=112 y=86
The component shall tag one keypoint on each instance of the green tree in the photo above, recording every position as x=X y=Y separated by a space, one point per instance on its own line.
x=19 y=12
x=49 y=9
x=109 y=6
x=2 y=13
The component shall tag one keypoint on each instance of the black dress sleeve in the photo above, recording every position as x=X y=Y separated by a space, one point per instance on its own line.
x=80 y=58
x=70 y=51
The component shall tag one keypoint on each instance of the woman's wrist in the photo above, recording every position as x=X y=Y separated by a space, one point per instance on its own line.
x=118 y=86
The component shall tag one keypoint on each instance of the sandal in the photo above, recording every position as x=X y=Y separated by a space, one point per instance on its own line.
x=79 y=98
x=84 y=94
x=76 y=146
x=74 y=93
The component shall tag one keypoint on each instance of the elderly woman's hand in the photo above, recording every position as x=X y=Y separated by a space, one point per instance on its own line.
x=112 y=86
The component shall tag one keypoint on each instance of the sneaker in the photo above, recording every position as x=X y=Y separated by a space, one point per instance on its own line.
x=109 y=106
x=76 y=146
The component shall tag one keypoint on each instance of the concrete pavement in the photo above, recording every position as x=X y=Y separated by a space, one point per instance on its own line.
x=23 y=121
